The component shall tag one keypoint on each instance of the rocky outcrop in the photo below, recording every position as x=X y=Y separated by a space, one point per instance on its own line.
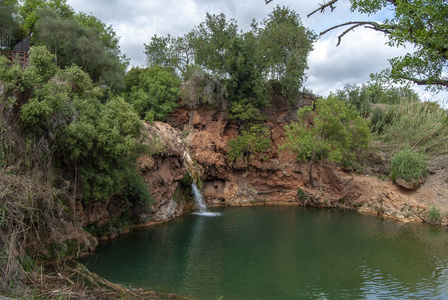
x=277 y=178
x=164 y=168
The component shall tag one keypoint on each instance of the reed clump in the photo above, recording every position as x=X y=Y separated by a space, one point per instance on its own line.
x=421 y=126
x=27 y=208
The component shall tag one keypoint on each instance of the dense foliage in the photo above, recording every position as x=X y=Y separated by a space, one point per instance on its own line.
x=8 y=25
x=153 y=92
x=377 y=102
x=63 y=110
x=420 y=125
x=333 y=130
x=365 y=96
x=73 y=38
x=62 y=145
x=277 y=48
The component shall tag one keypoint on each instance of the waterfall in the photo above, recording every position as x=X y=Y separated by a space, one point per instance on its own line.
x=198 y=198
x=201 y=203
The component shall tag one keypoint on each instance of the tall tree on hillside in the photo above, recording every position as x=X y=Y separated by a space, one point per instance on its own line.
x=7 y=22
x=167 y=51
x=422 y=23
x=212 y=41
x=106 y=34
x=285 y=44
x=28 y=10
x=73 y=43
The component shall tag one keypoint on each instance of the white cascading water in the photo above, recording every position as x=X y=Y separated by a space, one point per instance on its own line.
x=198 y=198
x=200 y=203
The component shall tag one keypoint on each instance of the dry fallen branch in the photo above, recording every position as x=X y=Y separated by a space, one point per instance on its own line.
x=75 y=281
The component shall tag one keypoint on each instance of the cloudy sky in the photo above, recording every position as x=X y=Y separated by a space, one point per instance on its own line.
x=361 y=52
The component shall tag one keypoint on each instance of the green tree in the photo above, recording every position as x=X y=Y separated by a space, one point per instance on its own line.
x=28 y=10
x=160 y=51
x=212 y=40
x=333 y=130
x=176 y=53
x=220 y=49
x=422 y=23
x=285 y=44
x=8 y=23
x=101 y=60
x=156 y=94
x=276 y=49
x=105 y=33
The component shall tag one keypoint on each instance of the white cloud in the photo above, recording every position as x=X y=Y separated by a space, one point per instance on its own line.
x=360 y=53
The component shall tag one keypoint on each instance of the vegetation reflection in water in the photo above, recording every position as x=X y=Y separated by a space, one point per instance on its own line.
x=281 y=253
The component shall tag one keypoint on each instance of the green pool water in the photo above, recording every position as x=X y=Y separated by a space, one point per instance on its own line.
x=281 y=253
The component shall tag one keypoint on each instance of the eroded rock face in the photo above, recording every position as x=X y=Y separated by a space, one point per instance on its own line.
x=273 y=178
x=164 y=170
x=276 y=179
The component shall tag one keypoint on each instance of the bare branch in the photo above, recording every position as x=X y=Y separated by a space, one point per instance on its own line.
x=268 y=1
x=366 y=24
x=321 y=8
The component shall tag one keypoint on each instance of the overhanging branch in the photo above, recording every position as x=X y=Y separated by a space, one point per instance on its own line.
x=321 y=8
x=366 y=24
x=440 y=82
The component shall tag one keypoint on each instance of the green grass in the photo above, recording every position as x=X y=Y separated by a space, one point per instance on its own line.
x=409 y=165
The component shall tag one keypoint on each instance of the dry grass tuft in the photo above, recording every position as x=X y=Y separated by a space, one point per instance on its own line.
x=25 y=208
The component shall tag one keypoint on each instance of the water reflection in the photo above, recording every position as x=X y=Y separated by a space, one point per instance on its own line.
x=281 y=253
x=201 y=267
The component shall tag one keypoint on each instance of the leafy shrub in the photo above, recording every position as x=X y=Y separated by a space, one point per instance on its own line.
x=301 y=194
x=255 y=141
x=247 y=112
x=434 y=215
x=408 y=165
x=333 y=130
x=136 y=191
